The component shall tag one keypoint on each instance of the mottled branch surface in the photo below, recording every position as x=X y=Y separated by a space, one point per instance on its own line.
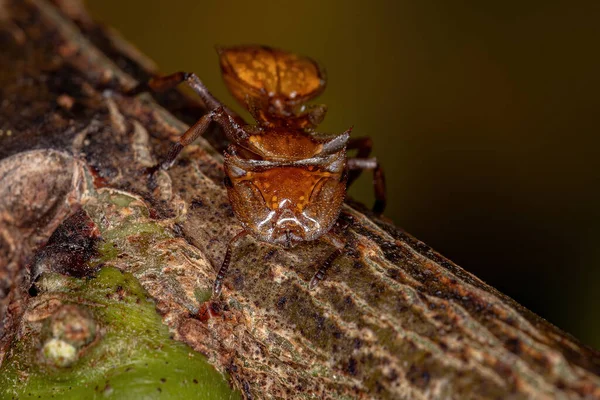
x=393 y=320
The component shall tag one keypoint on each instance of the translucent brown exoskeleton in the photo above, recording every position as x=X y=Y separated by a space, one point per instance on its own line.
x=286 y=182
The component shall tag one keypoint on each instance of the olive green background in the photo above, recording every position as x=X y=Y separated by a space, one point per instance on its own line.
x=484 y=115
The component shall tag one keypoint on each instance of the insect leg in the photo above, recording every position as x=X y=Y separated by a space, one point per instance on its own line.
x=218 y=285
x=193 y=133
x=364 y=145
x=233 y=131
x=320 y=275
x=340 y=243
x=378 y=179
x=164 y=83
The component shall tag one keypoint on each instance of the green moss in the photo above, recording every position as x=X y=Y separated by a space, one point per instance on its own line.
x=132 y=357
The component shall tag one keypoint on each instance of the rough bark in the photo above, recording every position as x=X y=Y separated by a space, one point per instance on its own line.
x=394 y=319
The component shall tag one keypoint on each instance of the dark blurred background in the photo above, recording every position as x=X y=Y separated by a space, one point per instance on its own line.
x=484 y=115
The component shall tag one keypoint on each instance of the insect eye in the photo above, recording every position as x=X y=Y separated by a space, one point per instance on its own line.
x=325 y=202
x=324 y=190
x=248 y=203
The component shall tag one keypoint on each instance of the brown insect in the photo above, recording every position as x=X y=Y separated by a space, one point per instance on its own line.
x=286 y=182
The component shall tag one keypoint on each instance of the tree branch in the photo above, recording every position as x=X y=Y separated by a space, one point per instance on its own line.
x=392 y=320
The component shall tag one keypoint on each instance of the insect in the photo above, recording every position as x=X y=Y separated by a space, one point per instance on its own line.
x=286 y=181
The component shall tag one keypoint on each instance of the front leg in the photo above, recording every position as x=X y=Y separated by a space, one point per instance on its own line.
x=218 y=285
x=164 y=83
x=234 y=132
x=320 y=275
x=338 y=238
x=232 y=124
x=193 y=133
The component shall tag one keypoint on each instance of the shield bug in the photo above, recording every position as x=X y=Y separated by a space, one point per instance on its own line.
x=285 y=180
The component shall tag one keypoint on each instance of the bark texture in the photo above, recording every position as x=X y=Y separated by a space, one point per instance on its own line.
x=393 y=320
